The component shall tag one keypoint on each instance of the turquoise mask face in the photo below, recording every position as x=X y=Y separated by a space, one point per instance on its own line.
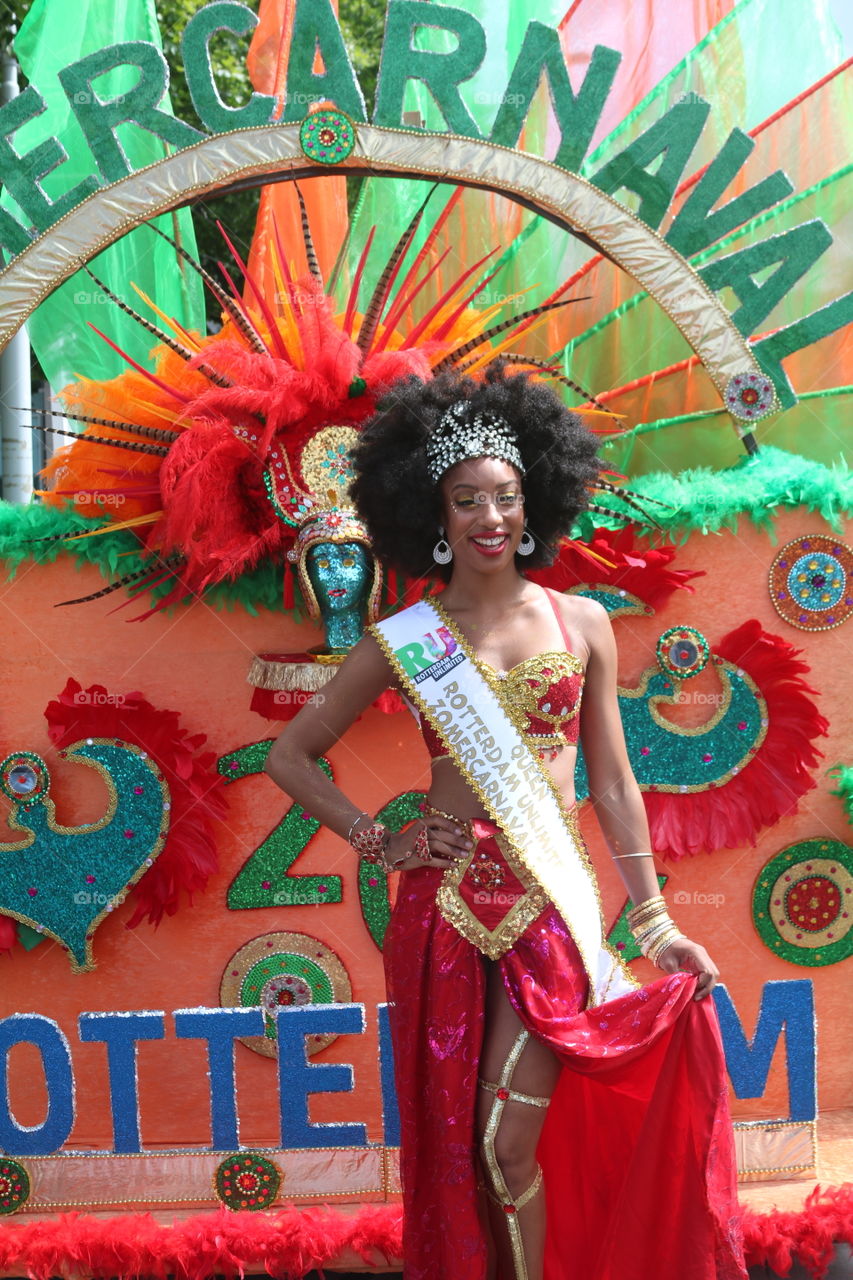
x=340 y=574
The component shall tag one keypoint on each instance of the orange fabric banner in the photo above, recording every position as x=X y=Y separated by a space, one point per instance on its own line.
x=325 y=197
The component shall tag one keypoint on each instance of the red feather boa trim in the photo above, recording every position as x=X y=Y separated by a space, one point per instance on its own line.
x=631 y=566
x=293 y=1242
x=189 y=856
x=770 y=786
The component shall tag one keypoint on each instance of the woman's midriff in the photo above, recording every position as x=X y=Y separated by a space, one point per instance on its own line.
x=450 y=793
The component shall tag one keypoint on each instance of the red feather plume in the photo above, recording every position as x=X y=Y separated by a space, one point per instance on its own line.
x=189 y=856
x=770 y=786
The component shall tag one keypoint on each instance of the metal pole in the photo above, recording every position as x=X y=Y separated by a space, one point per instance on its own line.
x=15 y=382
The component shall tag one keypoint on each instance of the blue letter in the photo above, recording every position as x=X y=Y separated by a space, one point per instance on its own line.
x=219 y=1027
x=42 y=1139
x=120 y=1032
x=390 y=1110
x=788 y=1004
x=296 y=1079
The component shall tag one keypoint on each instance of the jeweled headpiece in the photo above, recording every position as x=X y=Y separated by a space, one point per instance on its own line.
x=321 y=509
x=463 y=434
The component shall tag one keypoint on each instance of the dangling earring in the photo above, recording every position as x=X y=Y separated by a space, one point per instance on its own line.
x=528 y=544
x=442 y=552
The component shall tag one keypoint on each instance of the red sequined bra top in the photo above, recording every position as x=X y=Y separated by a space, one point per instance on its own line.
x=542 y=695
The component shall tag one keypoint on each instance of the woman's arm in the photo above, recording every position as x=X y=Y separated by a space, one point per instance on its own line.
x=292 y=761
x=616 y=797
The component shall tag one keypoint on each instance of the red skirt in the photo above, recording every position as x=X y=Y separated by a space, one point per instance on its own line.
x=637 y=1149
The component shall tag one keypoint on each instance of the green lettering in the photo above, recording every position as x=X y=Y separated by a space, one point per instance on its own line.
x=577 y=115
x=413 y=658
x=316 y=30
x=695 y=227
x=217 y=116
x=771 y=351
x=21 y=174
x=673 y=136
x=99 y=119
x=13 y=237
x=795 y=251
x=442 y=73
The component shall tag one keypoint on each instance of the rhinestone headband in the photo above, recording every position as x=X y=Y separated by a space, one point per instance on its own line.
x=457 y=437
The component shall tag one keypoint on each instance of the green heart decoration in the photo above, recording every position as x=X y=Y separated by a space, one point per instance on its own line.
x=63 y=881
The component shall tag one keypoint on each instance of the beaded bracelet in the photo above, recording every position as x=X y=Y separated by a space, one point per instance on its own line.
x=356 y=819
x=370 y=844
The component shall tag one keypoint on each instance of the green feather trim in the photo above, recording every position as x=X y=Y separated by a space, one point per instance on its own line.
x=260 y=590
x=701 y=500
x=844 y=776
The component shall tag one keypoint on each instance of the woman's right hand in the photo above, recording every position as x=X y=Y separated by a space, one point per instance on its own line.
x=448 y=842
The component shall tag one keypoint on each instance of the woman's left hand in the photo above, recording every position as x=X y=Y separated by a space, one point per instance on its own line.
x=691 y=957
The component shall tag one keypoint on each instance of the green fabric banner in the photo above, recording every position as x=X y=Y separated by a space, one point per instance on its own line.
x=52 y=36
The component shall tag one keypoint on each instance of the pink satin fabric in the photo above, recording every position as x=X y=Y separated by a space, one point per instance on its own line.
x=637 y=1148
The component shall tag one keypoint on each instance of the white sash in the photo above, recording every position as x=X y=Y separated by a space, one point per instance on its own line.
x=441 y=675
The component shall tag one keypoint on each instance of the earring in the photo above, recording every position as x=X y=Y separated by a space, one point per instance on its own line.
x=527 y=545
x=442 y=552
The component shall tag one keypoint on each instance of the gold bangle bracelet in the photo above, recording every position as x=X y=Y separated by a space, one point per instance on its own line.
x=651 y=904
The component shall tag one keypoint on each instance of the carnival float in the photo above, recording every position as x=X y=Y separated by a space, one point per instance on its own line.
x=195 y=1062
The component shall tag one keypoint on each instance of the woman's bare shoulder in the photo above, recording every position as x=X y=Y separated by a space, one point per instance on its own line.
x=585 y=619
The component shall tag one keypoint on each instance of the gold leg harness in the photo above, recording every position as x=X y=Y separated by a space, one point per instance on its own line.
x=498 y=1191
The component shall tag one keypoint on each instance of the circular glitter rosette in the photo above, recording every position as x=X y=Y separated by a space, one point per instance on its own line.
x=14 y=1186
x=327 y=136
x=246 y=1181
x=811 y=582
x=802 y=904
x=682 y=652
x=278 y=971
x=24 y=777
x=749 y=396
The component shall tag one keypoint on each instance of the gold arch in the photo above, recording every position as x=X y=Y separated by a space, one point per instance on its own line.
x=273 y=152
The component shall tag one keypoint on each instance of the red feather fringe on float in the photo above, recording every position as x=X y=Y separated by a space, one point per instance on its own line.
x=805 y=1236
x=293 y=1242
x=770 y=786
x=630 y=566
x=189 y=857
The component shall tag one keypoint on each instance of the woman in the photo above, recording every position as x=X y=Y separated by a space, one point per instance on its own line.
x=497 y=970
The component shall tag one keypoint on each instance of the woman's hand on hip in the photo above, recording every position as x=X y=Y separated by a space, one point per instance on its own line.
x=447 y=842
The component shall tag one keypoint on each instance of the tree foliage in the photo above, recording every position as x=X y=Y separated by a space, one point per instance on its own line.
x=362 y=22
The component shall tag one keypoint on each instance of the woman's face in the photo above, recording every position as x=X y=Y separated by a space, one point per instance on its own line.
x=483 y=513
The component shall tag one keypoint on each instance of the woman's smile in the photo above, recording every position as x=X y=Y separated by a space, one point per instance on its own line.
x=490 y=544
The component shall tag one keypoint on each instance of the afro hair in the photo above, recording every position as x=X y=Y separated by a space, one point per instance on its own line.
x=402 y=507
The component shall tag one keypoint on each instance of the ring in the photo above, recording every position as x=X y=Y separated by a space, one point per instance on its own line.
x=421 y=846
